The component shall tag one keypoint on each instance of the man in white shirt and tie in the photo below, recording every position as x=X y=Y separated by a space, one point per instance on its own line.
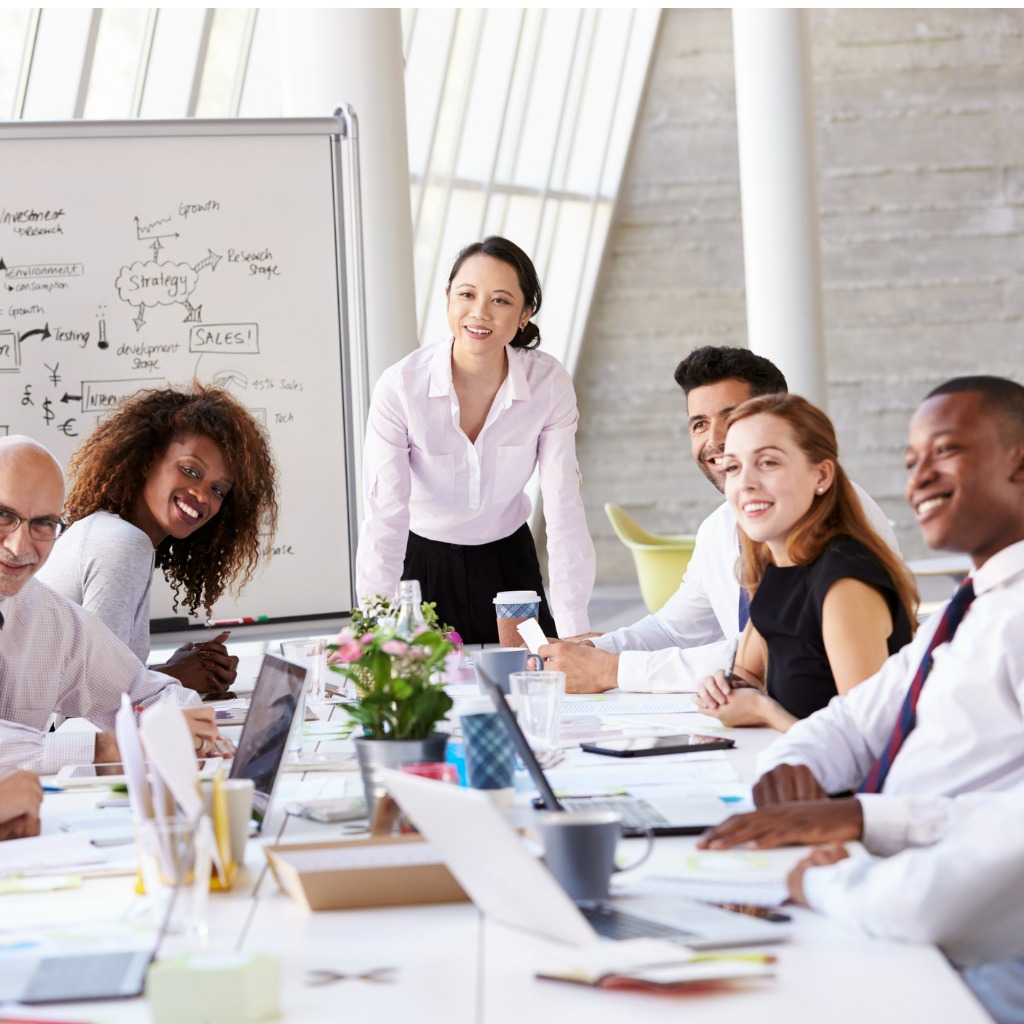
x=690 y=637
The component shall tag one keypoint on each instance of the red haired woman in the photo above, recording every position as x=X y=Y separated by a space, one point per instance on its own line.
x=829 y=600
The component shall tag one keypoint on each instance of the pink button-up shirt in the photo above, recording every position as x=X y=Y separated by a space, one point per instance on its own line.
x=421 y=472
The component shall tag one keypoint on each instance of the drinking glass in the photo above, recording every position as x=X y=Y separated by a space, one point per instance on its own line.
x=312 y=653
x=538 y=699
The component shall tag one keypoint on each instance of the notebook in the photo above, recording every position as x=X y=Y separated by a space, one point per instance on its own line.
x=507 y=884
x=261 y=747
x=661 y=815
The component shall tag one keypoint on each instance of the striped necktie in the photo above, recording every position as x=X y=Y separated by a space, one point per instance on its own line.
x=951 y=618
x=744 y=608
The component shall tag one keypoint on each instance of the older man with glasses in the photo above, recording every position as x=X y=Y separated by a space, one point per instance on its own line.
x=54 y=655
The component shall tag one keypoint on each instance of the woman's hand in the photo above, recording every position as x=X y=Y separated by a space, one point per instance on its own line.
x=739 y=701
x=204 y=667
x=713 y=692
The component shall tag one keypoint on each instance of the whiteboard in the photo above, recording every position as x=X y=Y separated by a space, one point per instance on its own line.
x=141 y=254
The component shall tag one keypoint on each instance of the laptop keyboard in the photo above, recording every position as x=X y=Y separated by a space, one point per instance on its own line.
x=610 y=923
x=634 y=811
x=87 y=976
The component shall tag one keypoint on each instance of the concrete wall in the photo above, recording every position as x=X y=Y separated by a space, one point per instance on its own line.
x=921 y=163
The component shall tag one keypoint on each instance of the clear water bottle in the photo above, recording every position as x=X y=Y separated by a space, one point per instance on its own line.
x=410 y=610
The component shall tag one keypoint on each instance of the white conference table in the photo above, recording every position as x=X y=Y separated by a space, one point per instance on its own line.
x=450 y=967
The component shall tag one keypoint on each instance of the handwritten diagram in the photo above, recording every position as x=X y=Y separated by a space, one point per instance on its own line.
x=145 y=259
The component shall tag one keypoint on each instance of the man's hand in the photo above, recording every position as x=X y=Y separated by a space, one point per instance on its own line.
x=20 y=797
x=785 y=783
x=203 y=726
x=820 y=858
x=204 y=667
x=809 y=821
x=587 y=670
x=105 y=751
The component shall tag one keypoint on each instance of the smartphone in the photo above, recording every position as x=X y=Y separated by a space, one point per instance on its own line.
x=647 y=746
x=215 y=695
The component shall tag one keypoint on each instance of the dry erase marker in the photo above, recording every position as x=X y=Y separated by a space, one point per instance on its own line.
x=238 y=622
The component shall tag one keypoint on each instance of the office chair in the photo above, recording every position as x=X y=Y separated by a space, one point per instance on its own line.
x=660 y=559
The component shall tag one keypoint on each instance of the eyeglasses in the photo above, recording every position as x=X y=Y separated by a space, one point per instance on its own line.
x=38 y=529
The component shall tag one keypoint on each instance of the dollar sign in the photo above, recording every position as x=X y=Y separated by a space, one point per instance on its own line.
x=48 y=413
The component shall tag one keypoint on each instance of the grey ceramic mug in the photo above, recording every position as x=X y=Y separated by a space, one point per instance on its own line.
x=500 y=662
x=579 y=850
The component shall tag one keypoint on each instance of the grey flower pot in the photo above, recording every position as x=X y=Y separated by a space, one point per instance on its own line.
x=375 y=754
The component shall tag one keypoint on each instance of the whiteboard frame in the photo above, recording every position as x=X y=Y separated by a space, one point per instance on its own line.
x=338 y=130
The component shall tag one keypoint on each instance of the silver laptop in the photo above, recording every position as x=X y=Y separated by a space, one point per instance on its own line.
x=659 y=814
x=482 y=850
x=264 y=739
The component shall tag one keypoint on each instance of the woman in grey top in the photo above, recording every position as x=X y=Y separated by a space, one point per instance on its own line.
x=180 y=479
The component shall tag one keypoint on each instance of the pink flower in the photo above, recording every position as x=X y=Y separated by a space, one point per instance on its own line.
x=345 y=636
x=454 y=638
x=367 y=638
x=349 y=651
x=394 y=647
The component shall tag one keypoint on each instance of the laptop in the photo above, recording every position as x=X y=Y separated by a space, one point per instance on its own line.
x=660 y=815
x=264 y=738
x=480 y=847
x=29 y=976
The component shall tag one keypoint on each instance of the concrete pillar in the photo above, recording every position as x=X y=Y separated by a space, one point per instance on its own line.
x=778 y=187
x=354 y=55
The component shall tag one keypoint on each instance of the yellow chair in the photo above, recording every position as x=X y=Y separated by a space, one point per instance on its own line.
x=660 y=559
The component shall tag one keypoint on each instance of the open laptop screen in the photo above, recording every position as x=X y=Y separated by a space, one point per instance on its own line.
x=267 y=724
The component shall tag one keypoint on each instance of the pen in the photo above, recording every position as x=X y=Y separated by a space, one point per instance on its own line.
x=51 y=789
x=245 y=620
x=753 y=958
x=732 y=663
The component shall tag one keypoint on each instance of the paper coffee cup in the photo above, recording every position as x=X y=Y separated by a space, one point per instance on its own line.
x=512 y=607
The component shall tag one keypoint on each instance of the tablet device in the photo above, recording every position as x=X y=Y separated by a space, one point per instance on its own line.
x=647 y=746
x=113 y=774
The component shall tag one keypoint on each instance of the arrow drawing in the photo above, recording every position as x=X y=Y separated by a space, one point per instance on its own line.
x=210 y=261
x=227 y=378
x=43 y=332
x=71 y=398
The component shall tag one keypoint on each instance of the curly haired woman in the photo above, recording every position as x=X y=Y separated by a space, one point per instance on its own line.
x=180 y=479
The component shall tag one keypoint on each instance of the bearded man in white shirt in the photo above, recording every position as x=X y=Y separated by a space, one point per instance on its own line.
x=694 y=633
x=54 y=655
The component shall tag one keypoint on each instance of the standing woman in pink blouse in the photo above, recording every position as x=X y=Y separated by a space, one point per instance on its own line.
x=454 y=434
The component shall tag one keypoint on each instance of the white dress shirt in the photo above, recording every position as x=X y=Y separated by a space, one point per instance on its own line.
x=969 y=735
x=56 y=656
x=694 y=633
x=421 y=473
x=962 y=894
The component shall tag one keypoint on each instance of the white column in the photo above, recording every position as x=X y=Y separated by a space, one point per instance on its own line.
x=354 y=55
x=778 y=185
